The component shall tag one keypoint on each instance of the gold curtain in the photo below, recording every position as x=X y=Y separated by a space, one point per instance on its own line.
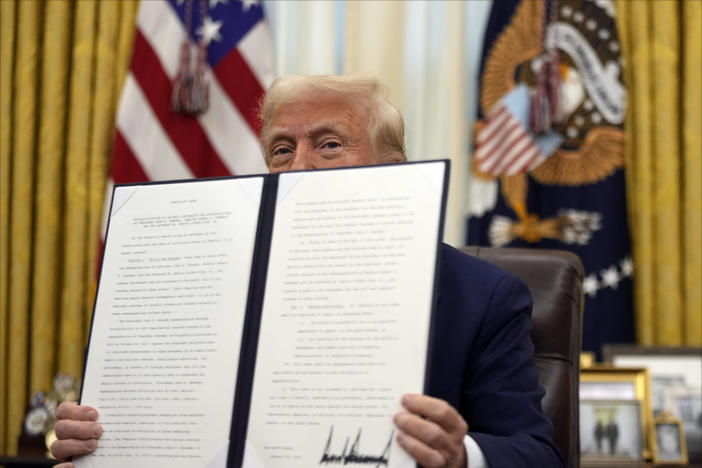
x=662 y=47
x=62 y=64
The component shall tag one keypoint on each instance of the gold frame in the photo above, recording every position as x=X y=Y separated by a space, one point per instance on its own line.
x=641 y=380
x=667 y=418
x=587 y=359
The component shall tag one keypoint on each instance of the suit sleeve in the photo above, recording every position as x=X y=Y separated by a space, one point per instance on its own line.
x=501 y=396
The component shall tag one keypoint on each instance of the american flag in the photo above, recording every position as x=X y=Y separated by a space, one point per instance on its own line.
x=154 y=143
x=504 y=145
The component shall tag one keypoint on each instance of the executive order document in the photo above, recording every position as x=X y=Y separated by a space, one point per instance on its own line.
x=269 y=321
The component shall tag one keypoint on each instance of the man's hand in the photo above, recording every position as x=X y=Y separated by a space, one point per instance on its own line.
x=76 y=430
x=432 y=432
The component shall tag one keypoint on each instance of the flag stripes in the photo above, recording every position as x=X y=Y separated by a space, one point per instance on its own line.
x=150 y=144
x=504 y=147
x=129 y=167
x=246 y=94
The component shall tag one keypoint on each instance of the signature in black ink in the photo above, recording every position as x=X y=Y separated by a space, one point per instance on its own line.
x=353 y=455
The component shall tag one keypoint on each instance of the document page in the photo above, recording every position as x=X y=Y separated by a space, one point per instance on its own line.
x=166 y=334
x=346 y=314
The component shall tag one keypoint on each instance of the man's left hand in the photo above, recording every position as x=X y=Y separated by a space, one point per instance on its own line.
x=432 y=432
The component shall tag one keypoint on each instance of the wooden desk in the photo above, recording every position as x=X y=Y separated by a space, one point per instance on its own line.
x=26 y=462
x=635 y=465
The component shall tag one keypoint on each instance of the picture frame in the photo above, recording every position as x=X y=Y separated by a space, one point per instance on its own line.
x=609 y=383
x=587 y=359
x=670 y=447
x=611 y=432
x=676 y=384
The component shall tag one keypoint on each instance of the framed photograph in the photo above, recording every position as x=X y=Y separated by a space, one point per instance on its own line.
x=676 y=384
x=611 y=431
x=670 y=441
x=609 y=383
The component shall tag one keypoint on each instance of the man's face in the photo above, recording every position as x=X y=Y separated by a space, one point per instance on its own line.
x=328 y=131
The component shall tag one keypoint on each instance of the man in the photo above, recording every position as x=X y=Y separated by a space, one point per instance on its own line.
x=599 y=435
x=612 y=436
x=482 y=371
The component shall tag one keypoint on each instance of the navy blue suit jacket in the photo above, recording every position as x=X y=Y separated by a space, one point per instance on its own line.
x=482 y=362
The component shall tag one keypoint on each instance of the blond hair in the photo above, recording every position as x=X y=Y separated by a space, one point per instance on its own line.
x=386 y=128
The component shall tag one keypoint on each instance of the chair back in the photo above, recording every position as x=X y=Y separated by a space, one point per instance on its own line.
x=555 y=280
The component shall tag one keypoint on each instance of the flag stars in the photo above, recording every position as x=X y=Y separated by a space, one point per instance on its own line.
x=214 y=3
x=591 y=24
x=590 y=285
x=578 y=17
x=210 y=30
x=610 y=277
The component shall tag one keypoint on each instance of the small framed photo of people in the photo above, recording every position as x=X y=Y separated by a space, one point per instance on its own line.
x=611 y=432
x=609 y=383
x=676 y=384
x=670 y=448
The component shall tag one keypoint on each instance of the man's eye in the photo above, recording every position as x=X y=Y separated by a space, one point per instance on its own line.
x=281 y=151
x=331 y=145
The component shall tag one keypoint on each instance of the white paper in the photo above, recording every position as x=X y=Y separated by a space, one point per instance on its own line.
x=345 y=322
x=166 y=335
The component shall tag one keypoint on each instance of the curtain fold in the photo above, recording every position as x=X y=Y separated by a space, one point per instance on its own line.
x=308 y=36
x=7 y=49
x=374 y=43
x=47 y=256
x=663 y=65
x=666 y=95
x=692 y=172
x=435 y=105
x=21 y=187
x=63 y=64
x=71 y=328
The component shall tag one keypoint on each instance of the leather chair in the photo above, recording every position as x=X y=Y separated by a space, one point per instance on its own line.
x=555 y=279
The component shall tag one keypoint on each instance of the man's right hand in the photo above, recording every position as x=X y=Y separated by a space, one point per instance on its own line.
x=76 y=430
